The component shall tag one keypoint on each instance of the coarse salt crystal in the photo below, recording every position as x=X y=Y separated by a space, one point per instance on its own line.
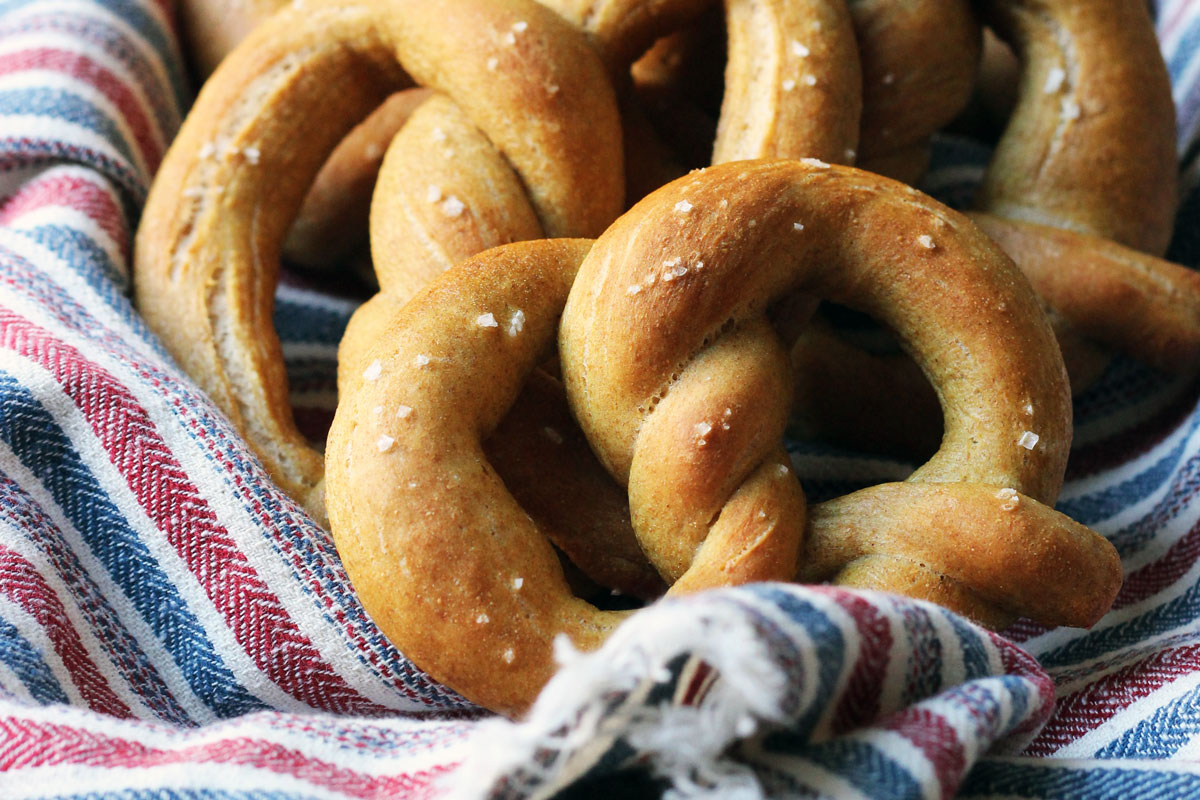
x=421 y=360
x=1055 y=79
x=1028 y=440
x=552 y=89
x=788 y=85
x=633 y=289
x=377 y=410
x=194 y=191
x=782 y=470
x=814 y=162
x=683 y=206
x=703 y=429
x=926 y=241
x=373 y=370
x=403 y=411
x=797 y=226
x=487 y=320
x=208 y=150
x=510 y=38
x=385 y=443
x=439 y=135
x=1028 y=408
x=482 y=619
x=1070 y=109
x=799 y=49
x=673 y=273
x=516 y=323
x=520 y=27
x=509 y=656
x=809 y=80
x=492 y=63
x=251 y=154
x=453 y=207
x=1011 y=499
x=433 y=194
x=518 y=583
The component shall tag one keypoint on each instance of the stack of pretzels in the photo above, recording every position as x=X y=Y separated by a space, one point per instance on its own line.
x=585 y=347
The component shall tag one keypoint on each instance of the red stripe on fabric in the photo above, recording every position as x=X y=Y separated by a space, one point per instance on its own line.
x=860 y=699
x=83 y=68
x=176 y=507
x=1021 y=664
x=73 y=191
x=28 y=743
x=938 y=742
x=1127 y=445
x=1023 y=630
x=1161 y=573
x=21 y=583
x=1098 y=702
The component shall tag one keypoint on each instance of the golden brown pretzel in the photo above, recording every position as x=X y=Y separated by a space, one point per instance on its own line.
x=918 y=66
x=208 y=244
x=1083 y=176
x=683 y=280
x=792 y=78
x=448 y=564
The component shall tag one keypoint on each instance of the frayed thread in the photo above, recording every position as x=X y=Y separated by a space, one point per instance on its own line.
x=598 y=698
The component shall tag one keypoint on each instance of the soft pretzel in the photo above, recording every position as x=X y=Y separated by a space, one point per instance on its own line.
x=683 y=280
x=331 y=226
x=448 y=564
x=1081 y=182
x=208 y=245
x=918 y=66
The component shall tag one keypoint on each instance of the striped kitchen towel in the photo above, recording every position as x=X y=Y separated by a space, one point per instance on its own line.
x=173 y=626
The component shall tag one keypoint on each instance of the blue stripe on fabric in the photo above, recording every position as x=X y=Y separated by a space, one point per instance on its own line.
x=123 y=649
x=863 y=766
x=1103 y=504
x=26 y=152
x=28 y=665
x=167 y=114
x=924 y=655
x=86 y=257
x=300 y=322
x=36 y=439
x=60 y=105
x=1160 y=735
x=827 y=639
x=1183 y=610
x=146 y=25
x=996 y=778
x=976 y=662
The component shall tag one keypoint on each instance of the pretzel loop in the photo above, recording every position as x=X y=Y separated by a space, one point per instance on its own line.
x=206 y=265
x=682 y=281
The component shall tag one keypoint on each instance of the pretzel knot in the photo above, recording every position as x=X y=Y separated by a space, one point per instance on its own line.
x=207 y=252
x=681 y=386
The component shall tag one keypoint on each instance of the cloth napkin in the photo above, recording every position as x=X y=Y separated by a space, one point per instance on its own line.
x=173 y=626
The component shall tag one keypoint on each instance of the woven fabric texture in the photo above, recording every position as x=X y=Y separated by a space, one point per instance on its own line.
x=172 y=625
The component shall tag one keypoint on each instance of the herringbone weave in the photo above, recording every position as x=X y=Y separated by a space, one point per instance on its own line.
x=172 y=626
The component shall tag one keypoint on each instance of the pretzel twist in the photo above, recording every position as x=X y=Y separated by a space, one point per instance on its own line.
x=448 y=564
x=692 y=423
x=208 y=246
